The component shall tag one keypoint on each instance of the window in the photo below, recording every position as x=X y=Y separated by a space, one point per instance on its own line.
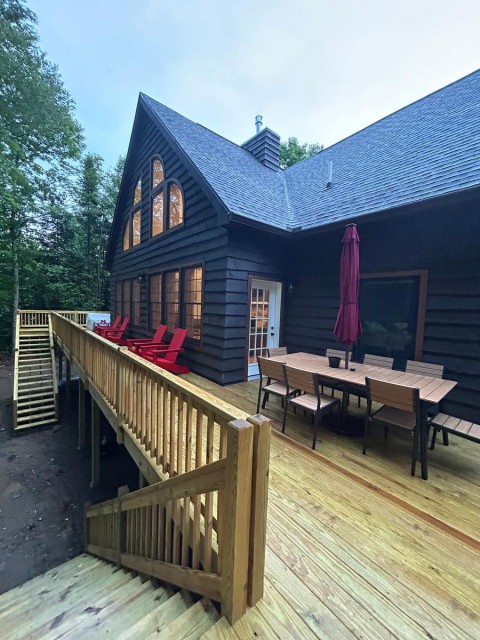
x=133 y=227
x=136 y=301
x=167 y=203
x=176 y=298
x=392 y=309
x=193 y=289
x=126 y=298
x=155 y=298
x=172 y=300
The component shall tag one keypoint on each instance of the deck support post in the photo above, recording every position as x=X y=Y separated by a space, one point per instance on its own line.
x=81 y=415
x=60 y=364
x=141 y=480
x=68 y=368
x=95 y=445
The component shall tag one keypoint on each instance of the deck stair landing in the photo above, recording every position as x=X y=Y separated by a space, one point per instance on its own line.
x=89 y=598
x=35 y=380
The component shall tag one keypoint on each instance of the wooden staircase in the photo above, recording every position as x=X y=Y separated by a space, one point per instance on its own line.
x=89 y=598
x=35 y=380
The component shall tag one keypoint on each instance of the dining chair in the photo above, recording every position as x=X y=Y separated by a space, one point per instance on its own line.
x=310 y=398
x=335 y=353
x=434 y=371
x=272 y=381
x=277 y=351
x=401 y=408
x=373 y=361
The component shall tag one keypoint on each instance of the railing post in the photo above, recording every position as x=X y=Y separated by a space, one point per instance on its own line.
x=236 y=519
x=95 y=445
x=81 y=414
x=121 y=542
x=258 y=516
x=118 y=392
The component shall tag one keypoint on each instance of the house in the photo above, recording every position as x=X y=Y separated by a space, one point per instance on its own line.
x=217 y=238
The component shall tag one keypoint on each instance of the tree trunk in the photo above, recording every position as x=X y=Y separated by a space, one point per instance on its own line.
x=16 y=289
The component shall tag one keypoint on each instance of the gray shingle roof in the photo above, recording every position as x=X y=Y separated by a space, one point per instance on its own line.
x=427 y=149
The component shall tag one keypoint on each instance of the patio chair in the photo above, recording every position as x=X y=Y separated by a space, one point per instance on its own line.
x=115 y=335
x=100 y=328
x=434 y=371
x=401 y=408
x=277 y=351
x=373 y=361
x=335 y=353
x=311 y=400
x=273 y=371
x=166 y=357
x=136 y=345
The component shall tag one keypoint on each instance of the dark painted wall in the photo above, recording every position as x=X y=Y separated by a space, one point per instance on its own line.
x=200 y=240
x=444 y=241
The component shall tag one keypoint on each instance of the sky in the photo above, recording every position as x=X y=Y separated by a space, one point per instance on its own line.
x=317 y=70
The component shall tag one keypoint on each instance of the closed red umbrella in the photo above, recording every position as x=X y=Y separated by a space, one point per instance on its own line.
x=348 y=326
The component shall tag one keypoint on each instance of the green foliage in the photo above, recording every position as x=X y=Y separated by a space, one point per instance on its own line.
x=56 y=206
x=292 y=152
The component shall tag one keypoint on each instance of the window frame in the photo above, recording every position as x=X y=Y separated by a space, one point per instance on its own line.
x=422 y=275
x=192 y=342
x=164 y=186
x=135 y=208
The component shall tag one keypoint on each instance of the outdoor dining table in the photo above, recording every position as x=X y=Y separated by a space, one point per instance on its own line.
x=432 y=390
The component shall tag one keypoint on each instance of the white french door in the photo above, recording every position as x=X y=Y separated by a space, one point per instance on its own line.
x=264 y=325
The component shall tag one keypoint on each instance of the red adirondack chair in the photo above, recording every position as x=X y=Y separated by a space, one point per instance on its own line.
x=115 y=335
x=100 y=328
x=166 y=357
x=136 y=345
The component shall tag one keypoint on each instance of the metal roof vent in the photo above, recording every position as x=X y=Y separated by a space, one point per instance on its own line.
x=258 y=123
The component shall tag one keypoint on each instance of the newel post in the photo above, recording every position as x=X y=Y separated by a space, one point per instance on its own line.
x=258 y=516
x=236 y=519
x=119 y=391
x=121 y=542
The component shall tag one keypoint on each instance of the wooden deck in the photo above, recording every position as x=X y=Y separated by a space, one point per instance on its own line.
x=356 y=547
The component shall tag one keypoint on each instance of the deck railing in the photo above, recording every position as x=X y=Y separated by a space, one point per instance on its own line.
x=207 y=519
x=35 y=317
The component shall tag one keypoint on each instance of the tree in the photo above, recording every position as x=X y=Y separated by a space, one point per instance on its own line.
x=38 y=131
x=292 y=152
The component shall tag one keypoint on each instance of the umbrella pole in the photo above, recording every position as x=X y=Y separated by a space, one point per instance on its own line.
x=346 y=358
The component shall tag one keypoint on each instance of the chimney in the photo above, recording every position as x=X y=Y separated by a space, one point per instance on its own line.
x=265 y=146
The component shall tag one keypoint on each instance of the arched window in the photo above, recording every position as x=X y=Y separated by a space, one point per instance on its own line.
x=167 y=202
x=133 y=228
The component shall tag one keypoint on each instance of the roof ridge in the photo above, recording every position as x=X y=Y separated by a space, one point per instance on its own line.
x=389 y=115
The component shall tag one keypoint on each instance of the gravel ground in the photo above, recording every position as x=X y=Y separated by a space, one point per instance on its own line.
x=44 y=484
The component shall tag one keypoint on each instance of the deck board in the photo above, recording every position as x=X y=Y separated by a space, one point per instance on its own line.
x=356 y=547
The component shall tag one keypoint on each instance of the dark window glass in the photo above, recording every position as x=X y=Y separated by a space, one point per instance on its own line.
x=389 y=314
x=118 y=299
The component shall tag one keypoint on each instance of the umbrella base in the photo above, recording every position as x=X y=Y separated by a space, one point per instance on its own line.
x=345 y=426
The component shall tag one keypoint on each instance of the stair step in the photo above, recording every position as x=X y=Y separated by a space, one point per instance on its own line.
x=193 y=622
x=46 y=375
x=34 y=403
x=23 y=394
x=111 y=622
x=222 y=630
x=45 y=588
x=37 y=410
x=72 y=595
x=75 y=565
x=34 y=424
x=36 y=415
x=158 y=619
x=40 y=384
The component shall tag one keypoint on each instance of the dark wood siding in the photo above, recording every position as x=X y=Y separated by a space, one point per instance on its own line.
x=198 y=241
x=443 y=242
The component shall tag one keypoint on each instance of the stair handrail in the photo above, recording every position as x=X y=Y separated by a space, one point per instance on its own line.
x=51 y=343
x=15 y=370
x=121 y=381
x=127 y=530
